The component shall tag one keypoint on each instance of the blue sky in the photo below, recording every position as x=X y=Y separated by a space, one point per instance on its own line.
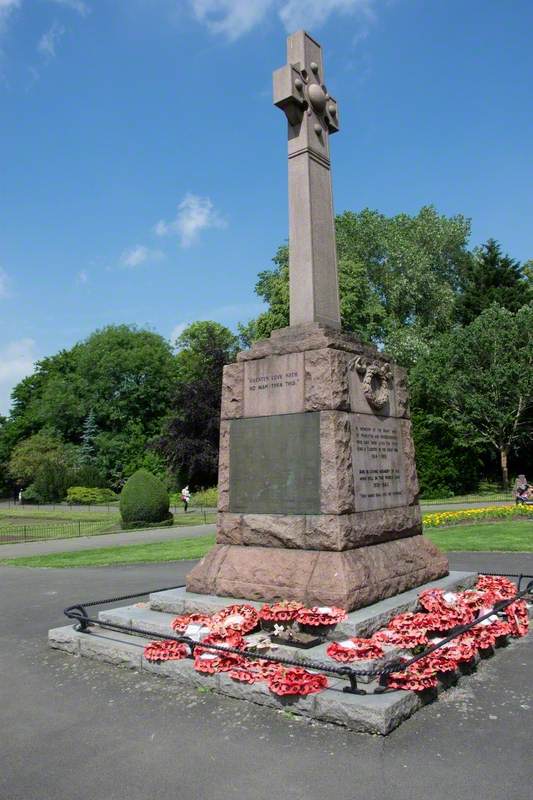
x=143 y=166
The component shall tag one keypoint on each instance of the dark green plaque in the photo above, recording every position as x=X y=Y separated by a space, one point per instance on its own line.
x=275 y=464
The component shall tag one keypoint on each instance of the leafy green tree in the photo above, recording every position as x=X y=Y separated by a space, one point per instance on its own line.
x=189 y=440
x=478 y=380
x=490 y=277
x=122 y=376
x=200 y=347
x=39 y=450
x=397 y=279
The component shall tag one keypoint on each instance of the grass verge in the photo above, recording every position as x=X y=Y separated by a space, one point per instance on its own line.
x=177 y=550
x=512 y=536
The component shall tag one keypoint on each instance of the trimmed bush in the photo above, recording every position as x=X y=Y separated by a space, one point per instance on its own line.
x=31 y=496
x=144 y=499
x=90 y=495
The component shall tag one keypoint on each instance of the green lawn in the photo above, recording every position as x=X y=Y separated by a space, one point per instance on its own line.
x=178 y=550
x=25 y=524
x=497 y=536
x=516 y=535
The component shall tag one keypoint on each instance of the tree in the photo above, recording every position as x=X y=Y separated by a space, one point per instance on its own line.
x=479 y=381
x=397 y=279
x=40 y=450
x=490 y=277
x=121 y=375
x=88 y=439
x=189 y=441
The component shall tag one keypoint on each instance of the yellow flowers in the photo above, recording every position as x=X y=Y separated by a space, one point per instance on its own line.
x=485 y=514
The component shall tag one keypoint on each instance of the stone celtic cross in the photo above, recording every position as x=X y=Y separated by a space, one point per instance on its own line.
x=312 y=114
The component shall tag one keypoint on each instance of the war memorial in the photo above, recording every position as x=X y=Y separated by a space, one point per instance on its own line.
x=318 y=495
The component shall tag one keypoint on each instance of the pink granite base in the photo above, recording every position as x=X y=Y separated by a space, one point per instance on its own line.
x=349 y=579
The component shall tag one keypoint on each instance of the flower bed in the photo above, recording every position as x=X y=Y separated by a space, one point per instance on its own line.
x=485 y=514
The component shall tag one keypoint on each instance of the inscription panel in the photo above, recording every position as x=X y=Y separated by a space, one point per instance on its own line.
x=378 y=462
x=275 y=465
x=274 y=385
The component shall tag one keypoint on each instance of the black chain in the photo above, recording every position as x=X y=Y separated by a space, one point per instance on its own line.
x=78 y=613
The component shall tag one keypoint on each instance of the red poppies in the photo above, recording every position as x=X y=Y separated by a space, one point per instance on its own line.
x=166 y=650
x=354 y=649
x=321 y=615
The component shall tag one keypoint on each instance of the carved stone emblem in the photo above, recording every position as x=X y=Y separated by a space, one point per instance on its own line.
x=376 y=379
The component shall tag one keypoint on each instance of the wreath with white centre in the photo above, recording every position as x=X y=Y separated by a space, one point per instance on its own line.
x=376 y=380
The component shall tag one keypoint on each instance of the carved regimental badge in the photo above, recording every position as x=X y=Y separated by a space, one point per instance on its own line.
x=376 y=380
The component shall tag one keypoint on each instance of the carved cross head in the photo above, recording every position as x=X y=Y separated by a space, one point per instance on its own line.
x=300 y=91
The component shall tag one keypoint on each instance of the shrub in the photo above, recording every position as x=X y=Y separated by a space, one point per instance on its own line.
x=52 y=481
x=31 y=496
x=90 y=495
x=144 y=499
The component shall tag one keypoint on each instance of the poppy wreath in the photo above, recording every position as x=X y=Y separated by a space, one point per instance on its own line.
x=416 y=678
x=180 y=624
x=316 y=616
x=476 y=600
x=498 y=585
x=296 y=681
x=517 y=618
x=284 y=611
x=254 y=671
x=241 y=618
x=211 y=662
x=405 y=639
x=226 y=637
x=410 y=621
x=166 y=650
x=441 y=661
x=354 y=649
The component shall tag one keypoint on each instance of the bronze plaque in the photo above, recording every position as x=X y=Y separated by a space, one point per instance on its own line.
x=275 y=464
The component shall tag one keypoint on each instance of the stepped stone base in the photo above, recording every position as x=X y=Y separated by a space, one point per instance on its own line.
x=368 y=713
x=348 y=579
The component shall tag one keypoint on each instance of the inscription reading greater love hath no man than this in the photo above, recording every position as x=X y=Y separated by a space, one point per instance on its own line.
x=377 y=455
x=274 y=385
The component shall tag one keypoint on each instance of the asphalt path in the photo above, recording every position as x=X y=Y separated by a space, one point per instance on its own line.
x=74 y=729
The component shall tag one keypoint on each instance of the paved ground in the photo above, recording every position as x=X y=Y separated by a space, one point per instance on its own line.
x=104 y=540
x=80 y=730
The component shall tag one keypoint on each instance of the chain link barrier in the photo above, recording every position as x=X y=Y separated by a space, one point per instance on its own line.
x=83 y=622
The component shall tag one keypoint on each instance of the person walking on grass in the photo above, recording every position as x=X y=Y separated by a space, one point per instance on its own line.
x=186 y=497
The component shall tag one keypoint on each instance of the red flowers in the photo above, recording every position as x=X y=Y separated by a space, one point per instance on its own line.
x=354 y=649
x=166 y=650
x=296 y=681
x=242 y=618
x=517 y=617
x=416 y=678
x=284 y=611
x=498 y=585
x=406 y=639
x=324 y=615
x=181 y=623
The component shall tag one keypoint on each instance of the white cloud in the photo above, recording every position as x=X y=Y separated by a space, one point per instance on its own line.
x=6 y=9
x=135 y=256
x=233 y=18
x=4 y=281
x=83 y=276
x=76 y=5
x=16 y=361
x=195 y=214
x=307 y=14
x=50 y=39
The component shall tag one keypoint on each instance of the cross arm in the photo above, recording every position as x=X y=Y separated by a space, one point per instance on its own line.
x=289 y=92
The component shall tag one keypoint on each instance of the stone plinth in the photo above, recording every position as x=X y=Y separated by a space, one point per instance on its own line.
x=318 y=492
